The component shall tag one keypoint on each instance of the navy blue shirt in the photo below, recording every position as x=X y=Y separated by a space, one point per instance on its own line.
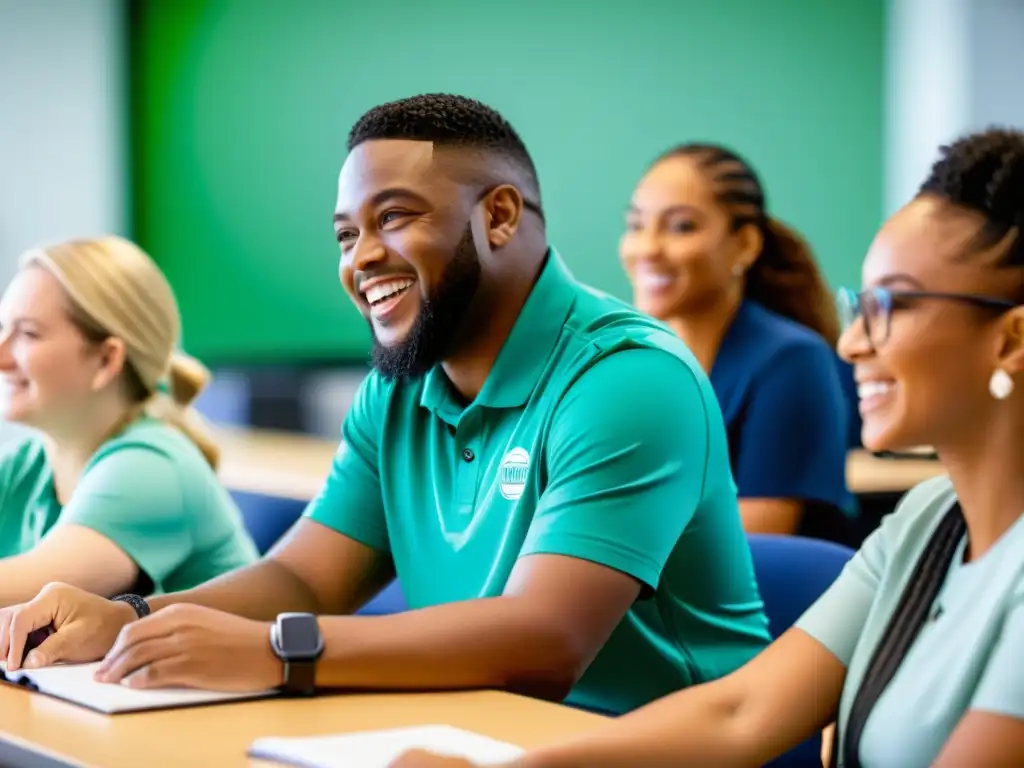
x=850 y=390
x=787 y=416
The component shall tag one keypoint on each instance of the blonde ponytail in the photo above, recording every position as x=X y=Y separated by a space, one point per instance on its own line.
x=172 y=403
x=115 y=289
x=187 y=378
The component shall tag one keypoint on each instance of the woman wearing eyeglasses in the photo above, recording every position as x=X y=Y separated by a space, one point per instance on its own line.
x=916 y=648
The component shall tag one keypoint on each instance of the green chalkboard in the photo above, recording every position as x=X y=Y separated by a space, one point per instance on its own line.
x=241 y=108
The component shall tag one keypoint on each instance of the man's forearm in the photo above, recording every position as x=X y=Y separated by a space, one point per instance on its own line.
x=260 y=591
x=488 y=643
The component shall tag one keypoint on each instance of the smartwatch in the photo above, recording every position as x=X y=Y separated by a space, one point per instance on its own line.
x=295 y=639
x=139 y=605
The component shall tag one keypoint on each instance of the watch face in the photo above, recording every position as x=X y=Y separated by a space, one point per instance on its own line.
x=299 y=635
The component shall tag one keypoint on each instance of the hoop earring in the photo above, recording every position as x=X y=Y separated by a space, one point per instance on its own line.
x=1001 y=384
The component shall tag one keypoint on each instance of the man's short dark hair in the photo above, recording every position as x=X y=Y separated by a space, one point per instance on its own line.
x=447 y=121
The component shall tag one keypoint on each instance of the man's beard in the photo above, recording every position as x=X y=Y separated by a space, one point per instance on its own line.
x=440 y=319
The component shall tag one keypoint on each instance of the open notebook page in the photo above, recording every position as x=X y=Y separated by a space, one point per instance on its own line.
x=377 y=749
x=74 y=683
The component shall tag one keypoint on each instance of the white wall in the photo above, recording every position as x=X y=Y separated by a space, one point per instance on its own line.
x=62 y=124
x=927 y=89
x=997 y=77
x=953 y=66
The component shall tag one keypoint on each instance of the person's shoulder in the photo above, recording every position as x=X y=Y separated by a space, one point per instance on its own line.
x=152 y=445
x=649 y=384
x=765 y=352
x=22 y=460
x=608 y=348
x=1016 y=590
x=917 y=515
x=152 y=463
x=928 y=499
x=779 y=338
x=597 y=315
x=650 y=363
x=604 y=324
x=1005 y=554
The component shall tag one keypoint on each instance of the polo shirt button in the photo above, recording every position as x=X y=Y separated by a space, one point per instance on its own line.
x=468 y=455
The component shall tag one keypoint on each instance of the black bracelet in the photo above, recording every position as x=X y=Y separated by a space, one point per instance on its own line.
x=140 y=606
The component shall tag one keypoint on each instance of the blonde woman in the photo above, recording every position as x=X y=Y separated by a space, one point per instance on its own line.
x=118 y=492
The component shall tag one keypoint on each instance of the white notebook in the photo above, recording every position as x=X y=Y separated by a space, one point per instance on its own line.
x=377 y=749
x=74 y=683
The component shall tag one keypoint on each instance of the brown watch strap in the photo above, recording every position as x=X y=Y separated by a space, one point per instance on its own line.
x=300 y=677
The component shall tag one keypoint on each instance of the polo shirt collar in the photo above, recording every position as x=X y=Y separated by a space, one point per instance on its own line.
x=525 y=353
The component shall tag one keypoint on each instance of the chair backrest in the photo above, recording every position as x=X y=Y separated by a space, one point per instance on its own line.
x=267 y=518
x=226 y=400
x=388 y=600
x=792 y=572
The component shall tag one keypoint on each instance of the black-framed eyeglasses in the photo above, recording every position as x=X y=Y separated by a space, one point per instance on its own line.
x=875 y=305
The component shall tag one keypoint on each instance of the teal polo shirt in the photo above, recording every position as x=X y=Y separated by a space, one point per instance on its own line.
x=596 y=436
x=966 y=657
x=148 y=489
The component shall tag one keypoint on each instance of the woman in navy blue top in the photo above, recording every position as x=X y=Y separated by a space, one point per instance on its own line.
x=743 y=291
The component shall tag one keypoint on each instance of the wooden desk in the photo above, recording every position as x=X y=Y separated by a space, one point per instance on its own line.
x=284 y=464
x=294 y=466
x=220 y=735
x=868 y=474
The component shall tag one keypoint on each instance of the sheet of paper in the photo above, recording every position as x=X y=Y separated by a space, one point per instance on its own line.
x=376 y=749
x=74 y=683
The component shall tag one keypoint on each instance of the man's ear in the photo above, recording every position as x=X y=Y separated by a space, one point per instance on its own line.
x=1011 y=351
x=111 y=357
x=503 y=210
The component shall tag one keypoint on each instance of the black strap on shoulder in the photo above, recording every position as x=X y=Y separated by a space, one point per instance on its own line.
x=903 y=628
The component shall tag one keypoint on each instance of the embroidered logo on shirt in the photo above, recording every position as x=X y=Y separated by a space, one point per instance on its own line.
x=512 y=473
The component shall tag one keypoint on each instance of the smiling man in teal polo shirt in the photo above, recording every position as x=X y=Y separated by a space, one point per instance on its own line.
x=545 y=469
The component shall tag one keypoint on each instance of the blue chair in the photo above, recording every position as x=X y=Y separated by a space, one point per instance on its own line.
x=267 y=518
x=226 y=400
x=388 y=600
x=792 y=573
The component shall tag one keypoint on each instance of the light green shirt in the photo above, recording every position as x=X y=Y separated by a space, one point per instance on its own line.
x=149 y=490
x=970 y=657
x=596 y=436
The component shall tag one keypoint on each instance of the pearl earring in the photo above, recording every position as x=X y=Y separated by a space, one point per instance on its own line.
x=1000 y=385
x=737 y=270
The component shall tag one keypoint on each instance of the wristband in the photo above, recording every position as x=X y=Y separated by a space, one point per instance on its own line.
x=140 y=606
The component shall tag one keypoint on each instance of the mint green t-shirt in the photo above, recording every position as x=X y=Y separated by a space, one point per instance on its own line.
x=149 y=490
x=596 y=436
x=969 y=657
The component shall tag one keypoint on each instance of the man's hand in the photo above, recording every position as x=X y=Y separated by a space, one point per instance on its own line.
x=418 y=758
x=194 y=647
x=83 y=627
